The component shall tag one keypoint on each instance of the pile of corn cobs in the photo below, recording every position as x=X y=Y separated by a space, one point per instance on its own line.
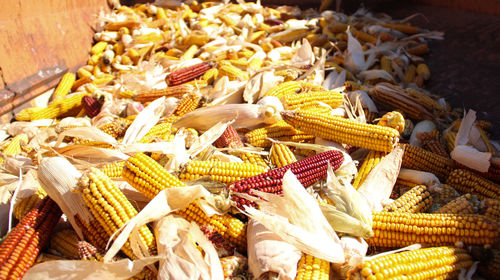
x=231 y=97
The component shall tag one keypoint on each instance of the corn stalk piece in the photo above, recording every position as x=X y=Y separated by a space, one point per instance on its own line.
x=19 y=250
x=342 y=130
x=308 y=171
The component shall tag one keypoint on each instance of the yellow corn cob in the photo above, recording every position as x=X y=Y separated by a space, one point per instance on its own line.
x=484 y=137
x=284 y=89
x=310 y=268
x=66 y=243
x=431 y=142
x=311 y=99
x=89 y=252
x=14 y=147
x=491 y=208
x=190 y=52
x=281 y=155
x=103 y=79
x=26 y=204
x=113 y=170
x=341 y=130
x=255 y=63
x=64 y=86
x=196 y=39
x=446 y=195
x=466 y=181
x=81 y=73
x=364 y=36
x=148 y=38
x=426 y=263
x=60 y=107
x=157 y=131
x=420 y=159
x=416 y=200
x=94 y=59
x=175 y=91
x=187 y=104
x=232 y=72
x=82 y=81
x=410 y=73
x=423 y=71
x=227 y=20
x=371 y=160
x=288 y=74
x=110 y=207
x=252 y=158
x=210 y=76
x=461 y=205
x=279 y=131
x=224 y=172
x=25 y=114
x=98 y=48
x=385 y=64
x=93 y=232
x=449 y=140
x=116 y=128
x=149 y=177
x=233 y=266
x=399 y=229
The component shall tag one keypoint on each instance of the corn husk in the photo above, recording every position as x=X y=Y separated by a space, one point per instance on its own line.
x=421 y=178
x=259 y=84
x=144 y=121
x=364 y=98
x=87 y=270
x=267 y=252
x=423 y=126
x=377 y=186
x=334 y=80
x=355 y=59
x=355 y=251
x=471 y=158
x=308 y=229
x=6 y=206
x=177 y=241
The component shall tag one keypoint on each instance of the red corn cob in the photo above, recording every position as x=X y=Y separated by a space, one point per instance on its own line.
x=187 y=74
x=91 y=106
x=229 y=138
x=21 y=247
x=174 y=91
x=308 y=171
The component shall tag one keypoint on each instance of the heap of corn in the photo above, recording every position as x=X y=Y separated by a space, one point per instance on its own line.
x=354 y=80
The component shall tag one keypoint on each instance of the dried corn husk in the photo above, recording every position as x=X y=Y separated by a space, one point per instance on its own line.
x=423 y=126
x=267 y=252
x=420 y=178
x=471 y=158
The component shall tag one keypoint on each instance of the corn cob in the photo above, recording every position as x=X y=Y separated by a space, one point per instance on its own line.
x=20 y=248
x=399 y=229
x=363 y=36
x=288 y=75
x=308 y=171
x=149 y=177
x=416 y=200
x=393 y=119
x=466 y=181
x=188 y=103
x=310 y=268
x=281 y=155
x=370 y=161
x=26 y=204
x=175 y=91
x=110 y=207
x=65 y=242
x=88 y=252
x=158 y=131
x=93 y=232
x=420 y=49
x=491 y=208
x=231 y=71
x=211 y=75
x=284 y=89
x=14 y=147
x=187 y=74
x=385 y=64
x=60 y=108
x=426 y=263
x=461 y=205
x=113 y=170
x=64 y=86
x=311 y=99
x=446 y=194
x=431 y=142
x=229 y=138
x=420 y=159
x=341 y=130
x=91 y=106
x=279 y=131
x=234 y=267
x=224 y=172
x=423 y=71
x=489 y=264
x=410 y=73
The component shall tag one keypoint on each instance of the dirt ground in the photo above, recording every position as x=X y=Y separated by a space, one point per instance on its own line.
x=465 y=66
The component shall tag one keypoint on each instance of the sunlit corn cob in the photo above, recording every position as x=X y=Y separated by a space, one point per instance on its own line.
x=175 y=91
x=88 y=252
x=399 y=229
x=281 y=155
x=93 y=232
x=211 y=75
x=284 y=89
x=26 y=204
x=231 y=71
x=491 y=208
x=370 y=161
x=114 y=169
x=59 y=108
x=426 y=263
x=188 y=103
x=149 y=177
x=22 y=245
x=308 y=171
x=279 y=131
x=64 y=86
x=461 y=205
x=431 y=142
x=416 y=200
x=234 y=266
x=393 y=119
x=420 y=159
x=229 y=138
x=14 y=147
x=466 y=181
x=224 y=172
x=310 y=268
x=65 y=242
x=342 y=130
x=157 y=131
x=187 y=74
x=311 y=99
x=110 y=207
x=116 y=128
x=98 y=48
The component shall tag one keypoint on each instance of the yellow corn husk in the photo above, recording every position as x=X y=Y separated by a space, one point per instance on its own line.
x=416 y=200
x=466 y=181
x=310 y=268
x=66 y=243
x=279 y=131
x=281 y=155
x=371 y=160
x=110 y=207
x=224 y=172
x=64 y=86
x=149 y=177
x=426 y=263
x=341 y=130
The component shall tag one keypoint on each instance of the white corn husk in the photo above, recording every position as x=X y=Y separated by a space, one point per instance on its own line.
x=423 y=126
x=6 y=206
x=259 y=84
x=308 y=229
x=471 y=158
x=364 y=98
x=378 y=185
x=421 y=178
x=267 y=252
x=59 y=178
